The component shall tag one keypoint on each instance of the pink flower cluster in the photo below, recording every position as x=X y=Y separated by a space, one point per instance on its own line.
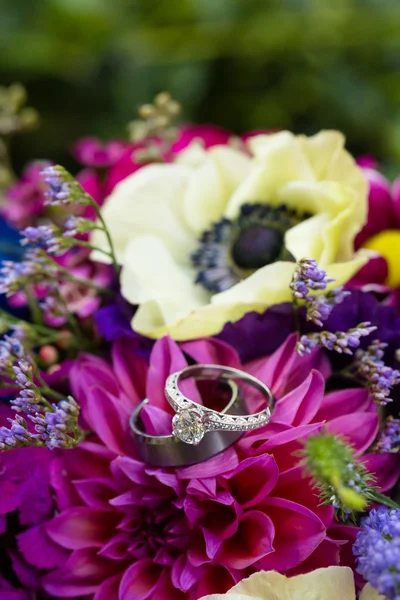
x=122 y=529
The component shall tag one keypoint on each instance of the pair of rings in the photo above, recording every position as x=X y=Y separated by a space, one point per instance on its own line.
x=189 y=444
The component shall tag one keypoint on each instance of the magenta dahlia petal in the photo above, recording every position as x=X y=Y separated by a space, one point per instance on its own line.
x=295 y=478
x=166 y=358
x=184 y=575
x=109 y=418
x=282 y=445
x=253 y=480
x=300 y=405
x=81 y=575
x=344 y=402
x=81 y=527
x=211 y=351
x=89 y=371
x=253 y=541
x=117 y=548
x=129 y=368
x=39 y=550
x=156 y=421
x=218 y=465
x=96 y=492
x=109 y=589
x=139 y=580
x=298 y=532
x=276 y=370
x=385 y=468
x=360 y=429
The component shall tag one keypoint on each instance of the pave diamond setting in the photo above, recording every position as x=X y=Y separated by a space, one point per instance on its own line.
x=187 y=425
x=192 y=421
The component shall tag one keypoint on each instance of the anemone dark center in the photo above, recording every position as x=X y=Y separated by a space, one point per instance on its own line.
x=233 y=249
x=257 y=246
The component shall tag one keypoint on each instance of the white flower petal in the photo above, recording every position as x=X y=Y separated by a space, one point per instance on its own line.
x=370 y=593
x=266 y=286
x=332 y=583
x=212 y=184
x=268 y=595
x=150 y=273
x=148 y=201
x=306 y=238
x=193 y=155
x=279 y=161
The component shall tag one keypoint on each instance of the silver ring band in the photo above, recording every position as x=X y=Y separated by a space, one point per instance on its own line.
x=192 y=420
x=169 y=451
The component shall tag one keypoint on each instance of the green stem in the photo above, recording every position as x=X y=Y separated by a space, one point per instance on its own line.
x=34 y=307
x=382 y=499
x=89 y=245
x=108 y=236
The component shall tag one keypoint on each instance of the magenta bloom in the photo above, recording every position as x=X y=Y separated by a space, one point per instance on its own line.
x=132 y=531
x=208 y=135
x=25 y=198
x=91 y=152
x=380 y=274
x=383 y=206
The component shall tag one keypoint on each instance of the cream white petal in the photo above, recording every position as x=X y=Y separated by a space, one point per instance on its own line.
x=323 y=151
x=278 y=164
x=306 y=238
x=193 y=155
x=148 y=201
x=268 y=285
x=370 y=593
x=268 y=595
x=212 y=184
x=332 y=583
x=150 y=273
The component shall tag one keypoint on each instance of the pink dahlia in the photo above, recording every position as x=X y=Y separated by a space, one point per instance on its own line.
x=132 y=531
x=24 y=200
x=380 y=235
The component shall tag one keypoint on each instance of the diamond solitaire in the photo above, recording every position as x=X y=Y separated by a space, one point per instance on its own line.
x=187 y=425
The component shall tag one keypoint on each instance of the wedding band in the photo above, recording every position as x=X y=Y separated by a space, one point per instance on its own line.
x=192 y=421
x=169 y=451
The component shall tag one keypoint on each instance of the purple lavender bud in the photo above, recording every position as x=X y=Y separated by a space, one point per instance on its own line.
x=389 y=438
x=377 y=548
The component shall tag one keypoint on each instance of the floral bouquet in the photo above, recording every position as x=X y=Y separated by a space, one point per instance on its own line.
x=129 y=470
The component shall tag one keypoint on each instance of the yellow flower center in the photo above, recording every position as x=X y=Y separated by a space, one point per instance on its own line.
x=387 y=244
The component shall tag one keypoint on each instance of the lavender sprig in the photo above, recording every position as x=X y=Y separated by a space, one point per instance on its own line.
x=343 y=342
x=65 y=190
x=377 y=548
x=380 y=378
x=308 y=276
x=389 y=438
x=54 y=427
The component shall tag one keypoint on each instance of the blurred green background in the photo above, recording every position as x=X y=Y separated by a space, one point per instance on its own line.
x=242 y=64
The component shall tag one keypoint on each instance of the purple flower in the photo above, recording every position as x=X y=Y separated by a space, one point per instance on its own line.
x=91 y=152
x=24 y=200
x=380 y=378
x=308 y=276
x=389 y=438
x=377 y=549
x=343 y=342
x=53 y=427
